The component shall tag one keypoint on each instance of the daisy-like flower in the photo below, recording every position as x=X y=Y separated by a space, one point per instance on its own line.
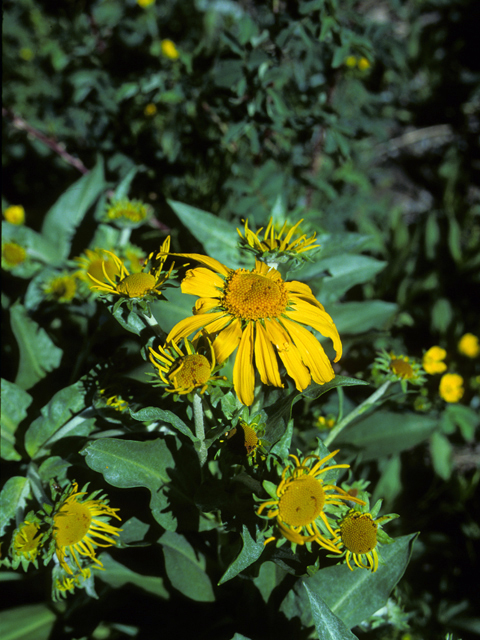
x=92 y=263
x=433 y=360
x=451 y=387
x=302 y=499
x=135 y=285
x=27 y=542
x=398 y=368
x=360 y=534
x=185 y=371
x=13 y=254
x=63 y=583
x=274 y=243
x=80 y=526
x=169 y=49
x=15 y=214
x=131 y=213
x=262 y=315
x=468 y=345
x=61 y=288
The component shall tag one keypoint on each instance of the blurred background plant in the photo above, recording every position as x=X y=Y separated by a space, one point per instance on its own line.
x=362 y=119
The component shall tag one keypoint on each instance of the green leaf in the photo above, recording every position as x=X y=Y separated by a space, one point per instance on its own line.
x=62 y=417
x=129 y=320
x=327 y=625
x=117 y=575
x=270 y=575
x=13 y=496
x=154 y=414
x=186 y=568
x=249 y=554
x=121 y=191
x=172 y=308
x=384 y=433
x=358 y=317
x=38 y=354
x=316 y=390
x=346 y=272
x=442 y=455
x=217 y=236
x=15 y=402
x=68 y=212
x=133 y=530
x=127 y=464
x=29 y=622
x=466 y=418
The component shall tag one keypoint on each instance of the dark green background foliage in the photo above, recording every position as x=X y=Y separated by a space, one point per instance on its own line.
x=259 y=115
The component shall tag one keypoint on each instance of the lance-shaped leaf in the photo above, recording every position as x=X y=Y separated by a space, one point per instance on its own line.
x=13 y=496
x=154 y=414
x=28 y=622
x=116 y=575
x=15 y=402
x=250 y=552
x=327 y=625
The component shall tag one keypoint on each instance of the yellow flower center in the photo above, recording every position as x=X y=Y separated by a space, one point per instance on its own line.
x=359 y=533
x=13 y=253
x=62 y=289
x=251 y=296
x=401 y=368
x=242 y=439
x=190 y=371
x=137 y=285
x=96 y=271
x=72 y=523
x=302 y=501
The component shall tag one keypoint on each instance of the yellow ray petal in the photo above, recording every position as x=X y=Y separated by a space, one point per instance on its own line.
x=243 y=371
x=266 y=359
x=319 y=320
x=311 y=351
x=211 y=263
x=227 y=340
x=188 y=325
x=202 y=282
x=288 y=353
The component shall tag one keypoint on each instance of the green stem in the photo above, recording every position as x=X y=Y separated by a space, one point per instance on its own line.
x=152 y=322
x=341 y=396
x=125 y=234
x=366 y=404
x=199 y=429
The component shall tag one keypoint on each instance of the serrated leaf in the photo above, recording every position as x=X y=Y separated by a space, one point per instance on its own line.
x=12 y=497
x=67 y=213
x=249 y=554
x=15 y=402
x=38 y=354
x=117 y=575
x=186 y=568
x=127 y=464
x=154 y=414
x=29 y=622
x=327 y=625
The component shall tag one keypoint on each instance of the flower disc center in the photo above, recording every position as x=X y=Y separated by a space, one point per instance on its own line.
x=302 y=502
x=95 y=269
x=136 y=285
x=359 y=533
x=72 y=523
x=401 y=368
x=190 y=371
x=252 y=296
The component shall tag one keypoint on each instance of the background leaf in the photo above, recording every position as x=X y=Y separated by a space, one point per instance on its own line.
x=13 y=496
x=327 y=625
x=30 y=622
x=250 y=552
x=117 y=575
x=15 y=402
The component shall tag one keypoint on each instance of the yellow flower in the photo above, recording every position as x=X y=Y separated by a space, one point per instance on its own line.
x=469 y=346
x=451 y=387
x=79 y=524
x=150 y=109
x=262 y=315
x=302 y=499
x=61 y=289
x=114 y=401
x=26 y=54
x=169 y=49
x=12 y=255
x=401 y=367
x=432 y=360
x=26 y=541
x=14 y=214
x=145 y=3
x=246 y=440
x=135 y=285
x=325 y=423
x=92 y=263
x=351 y=61
x=358 y=534
x=363 y=64
x=132 y=212
x=273 y=241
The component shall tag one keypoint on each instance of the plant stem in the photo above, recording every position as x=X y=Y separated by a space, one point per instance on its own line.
x=366 y=404
x=125 y=234
x=152 y=322
x=199 y=428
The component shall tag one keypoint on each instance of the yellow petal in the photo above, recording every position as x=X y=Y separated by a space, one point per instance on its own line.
x=305 y=313
x=227 y=340
x=243 y=371
x=303 y=292
x=202 y=282
x=288 y=353
x=266 y=359
x=311 y=351
x=211 y=263
x=188 y=325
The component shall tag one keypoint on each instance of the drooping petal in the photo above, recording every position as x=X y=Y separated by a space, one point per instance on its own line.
x=205 y=305
x=227 y=340
x=188 y=325
x=288 y=353
x=266 y=358
x=202 y=282
x=211 y=263
x=243 y=371
x=311 y=351
x=305 y=313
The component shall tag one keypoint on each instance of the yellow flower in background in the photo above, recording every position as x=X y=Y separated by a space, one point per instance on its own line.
x=468 y=345
x=12 y=255
x=451 y=387
x=26 y=54
x=302 y=499
x=150 y=110
x=145 y=3
x=401 y=368
x=114 y=401
x=14 y=214
x=351 y=62
x=363 y=64
x=324 y=423
x=273 y=240
x=61 y=288
x=135 y=285
x=27 y=541
x=80 y=526
x=433 y=360
x=169 y=49
x=132 y=212
x=92 y=263
x=246 y=440
x=262 y=315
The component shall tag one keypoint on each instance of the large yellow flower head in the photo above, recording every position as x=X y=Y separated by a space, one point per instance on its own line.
x=80 y=526
x=433 y=360
x=136 y=285
x=263 y=316
x=469 y=346
x=302 y=500
x=451 y=387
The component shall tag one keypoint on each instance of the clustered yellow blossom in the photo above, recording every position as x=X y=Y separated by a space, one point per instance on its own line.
x=150 y=110
x=469 y=346
x=169 y=49
x=451 y=387
x=362 y=63
x=128 y=212
x=273 y=240
x=433 y=360
x=62 y=288
x=13 y=255
x=15 y=214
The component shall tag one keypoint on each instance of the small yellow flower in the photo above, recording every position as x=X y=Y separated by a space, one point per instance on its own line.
x=92 y=262
x=302 y=500
x=114 y=401
x=469 y=346
x=27 y=541
x=150 y=110
x=79 y=525
x=246 y=440
x=12 y=255
x=432 y=360
x=145 y=3
x=401 y=367
x=358 y=533
x=363 y=64
x=263 y=316
x=26 y=54
x=14 y=214
x=323 y=422
x=135 y=285
x=169 y=49
x=351 y=62
x=451 y=387
x=131 y=212
x=61 y=289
